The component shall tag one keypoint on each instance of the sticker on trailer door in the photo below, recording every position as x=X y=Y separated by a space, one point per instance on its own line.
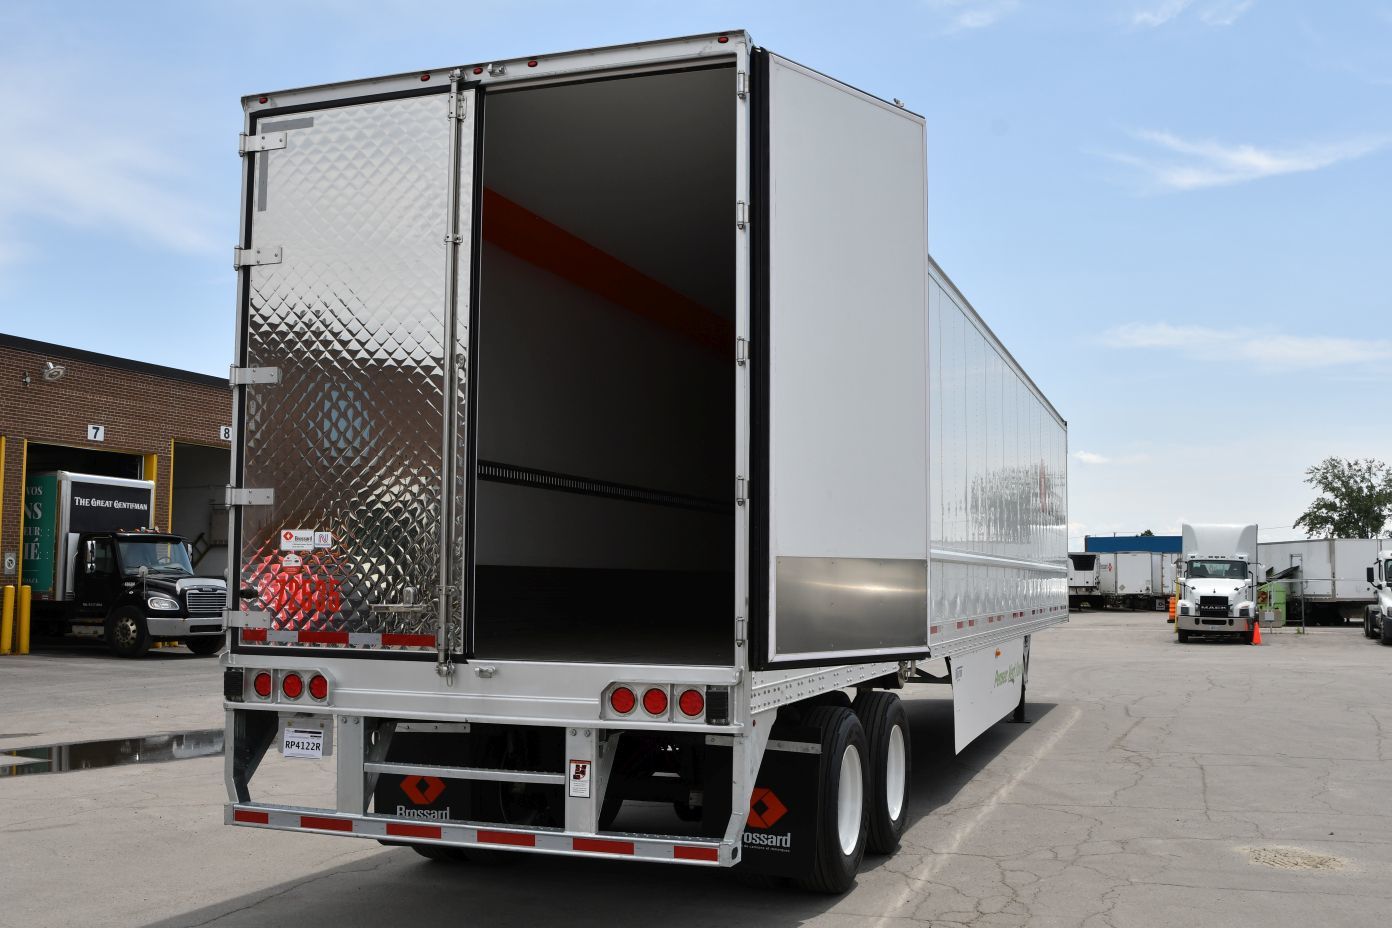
x=291 y=563
x=323 y=539
x=296 y=539
x=580 y=779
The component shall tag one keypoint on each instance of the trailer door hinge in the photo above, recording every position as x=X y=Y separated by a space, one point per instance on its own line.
x=247 y=496
x=741 y=84
x=236 y=618
x=741 y=351
x=253 y=257
x=741 y=220
x=458 y=106
x=269 y=141
x=241 y=376
x=740 y=491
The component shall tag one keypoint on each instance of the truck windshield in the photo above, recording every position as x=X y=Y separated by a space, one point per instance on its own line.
x=160 y=556
x=1218 y=570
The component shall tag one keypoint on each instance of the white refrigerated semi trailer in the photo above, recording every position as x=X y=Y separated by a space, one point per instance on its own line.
x=601 y=422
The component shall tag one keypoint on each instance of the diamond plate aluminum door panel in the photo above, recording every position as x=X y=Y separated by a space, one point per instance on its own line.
x=354 y=317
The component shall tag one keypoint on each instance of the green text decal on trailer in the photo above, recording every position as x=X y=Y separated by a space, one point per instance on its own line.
x=40 y=522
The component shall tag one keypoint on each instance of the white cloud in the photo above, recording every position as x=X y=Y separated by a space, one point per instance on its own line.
x=972 y=14
x=1225 y=14
x=1159 y=15
x=1182 y=164
x=1249 y=346
x=1219 y=13
x=97 y=170
x=1093 y=458
x=1090 y=457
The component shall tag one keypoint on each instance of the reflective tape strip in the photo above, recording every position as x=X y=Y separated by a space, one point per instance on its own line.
x=687 y=852
x=356 y=639
x=321 y=823
x=414 y=831
x=602 y=846
x=251 y=817
x=510 y=838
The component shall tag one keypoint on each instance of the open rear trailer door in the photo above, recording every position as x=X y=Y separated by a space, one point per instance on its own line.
x=354 y=301
x=839 y=547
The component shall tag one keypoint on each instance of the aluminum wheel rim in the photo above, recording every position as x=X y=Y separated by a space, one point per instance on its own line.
x=850 y=800
x=895 y=773
x=126 y=632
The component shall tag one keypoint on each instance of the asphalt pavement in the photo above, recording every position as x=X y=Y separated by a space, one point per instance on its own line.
x=1156 y=784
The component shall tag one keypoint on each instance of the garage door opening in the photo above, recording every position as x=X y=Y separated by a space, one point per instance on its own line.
x=199 y=513
x=604 y=517
x=42 y=459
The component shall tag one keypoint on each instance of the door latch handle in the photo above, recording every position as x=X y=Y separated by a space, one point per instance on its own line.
x=408 y=603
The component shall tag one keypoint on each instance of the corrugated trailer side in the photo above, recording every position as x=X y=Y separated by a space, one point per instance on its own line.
x=999 y=495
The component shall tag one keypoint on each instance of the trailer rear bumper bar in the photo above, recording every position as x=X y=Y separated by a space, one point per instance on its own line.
x=482 y=835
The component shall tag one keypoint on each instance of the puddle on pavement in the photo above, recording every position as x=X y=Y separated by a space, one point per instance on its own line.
x=88 y=755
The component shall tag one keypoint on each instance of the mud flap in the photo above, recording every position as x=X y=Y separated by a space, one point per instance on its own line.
x=780 y=834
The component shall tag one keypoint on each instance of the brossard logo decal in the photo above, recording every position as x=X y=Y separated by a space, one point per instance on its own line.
x=422 y=791
x=765 y=809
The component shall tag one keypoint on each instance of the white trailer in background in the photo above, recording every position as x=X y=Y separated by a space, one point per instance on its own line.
x=1130 y=579
x=1084 y=579
x=601 y=420
x=1326 y=577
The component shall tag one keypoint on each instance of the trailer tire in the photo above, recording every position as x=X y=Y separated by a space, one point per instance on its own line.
x=440 y=853
x=887 y=739
x=1386 y=635
x=1183 y=635
x=842 y=830
x=127 y=635
x=204 y=645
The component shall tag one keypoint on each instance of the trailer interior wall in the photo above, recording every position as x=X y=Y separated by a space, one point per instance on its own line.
x=999 y=479
x=604 y=369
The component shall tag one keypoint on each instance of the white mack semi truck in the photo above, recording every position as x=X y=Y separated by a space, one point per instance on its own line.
x=1218 y=593
x=602 y=423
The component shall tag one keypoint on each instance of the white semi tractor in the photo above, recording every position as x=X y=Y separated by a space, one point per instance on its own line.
x=1377 y=617
x=1218 y=590
x=601 y=423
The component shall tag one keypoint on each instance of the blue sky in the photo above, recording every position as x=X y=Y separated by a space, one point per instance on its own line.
x=1174 y=212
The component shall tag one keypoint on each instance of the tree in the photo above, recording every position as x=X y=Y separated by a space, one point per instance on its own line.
x=1147 y=534
x=1355 y=499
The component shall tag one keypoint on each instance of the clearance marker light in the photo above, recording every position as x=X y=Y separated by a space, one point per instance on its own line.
x=319 y=686
x=622 y=700
x=292 y=686
x=261 y=683
x=691 y=703
x=655 y=701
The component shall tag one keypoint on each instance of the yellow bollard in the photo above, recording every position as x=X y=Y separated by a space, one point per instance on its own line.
x=6 y=619
x=25 y=592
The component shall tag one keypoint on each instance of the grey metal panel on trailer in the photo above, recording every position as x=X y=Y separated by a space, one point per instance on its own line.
x=998 y=515
x=848 y=444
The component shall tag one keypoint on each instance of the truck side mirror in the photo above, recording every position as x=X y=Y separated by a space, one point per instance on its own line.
x=1370 y=576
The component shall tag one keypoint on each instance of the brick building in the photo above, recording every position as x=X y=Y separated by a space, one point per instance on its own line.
x=66 y=409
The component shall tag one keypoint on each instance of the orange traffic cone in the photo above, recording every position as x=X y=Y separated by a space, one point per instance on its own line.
x=1256 y=631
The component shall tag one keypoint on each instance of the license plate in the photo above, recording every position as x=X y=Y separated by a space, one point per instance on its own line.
x=303 y=742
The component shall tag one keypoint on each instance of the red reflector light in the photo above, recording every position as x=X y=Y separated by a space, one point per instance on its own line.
x=319 y=687
x=532 y=63
x=478 y=70
x=425 y=77
x=292 y=686
x=655 y=701
x=262 y=99
x=262 y=684
x=692 y=703
x=723 y=39
x=622 y=700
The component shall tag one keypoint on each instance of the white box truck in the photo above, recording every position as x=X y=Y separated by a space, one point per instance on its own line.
x=1218 y=589
x=601 y=421
x=98 y=568
x=1326 y=577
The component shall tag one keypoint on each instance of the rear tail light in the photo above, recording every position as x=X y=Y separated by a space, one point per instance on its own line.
x=319 y=687
x=261 y=683
x=292 y=686
x=655 y=701
x=622 y=700
x=691 y=703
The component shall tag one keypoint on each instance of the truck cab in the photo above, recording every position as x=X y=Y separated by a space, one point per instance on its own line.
x=1218 y=590
x=137 y=587
x=1377 y=618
